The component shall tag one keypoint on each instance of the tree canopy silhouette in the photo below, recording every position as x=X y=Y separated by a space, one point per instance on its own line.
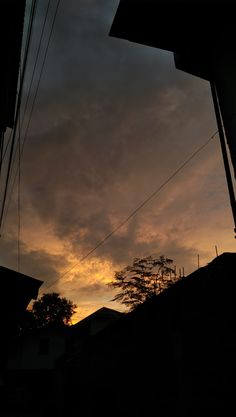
x=143 y=279
x=49 y=310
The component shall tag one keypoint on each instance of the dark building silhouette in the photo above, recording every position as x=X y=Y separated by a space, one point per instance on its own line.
x=201 y=36
x=174 y=355
x=31 y=382
x=34 y=371
x=11 y=32
x=92 y=324
x=17 y=290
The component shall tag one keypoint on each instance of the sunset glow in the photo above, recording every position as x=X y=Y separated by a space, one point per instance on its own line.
x=113 y=121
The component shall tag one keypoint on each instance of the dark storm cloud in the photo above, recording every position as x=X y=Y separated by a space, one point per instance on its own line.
x=84 y=62
x=36 y=263
x=111 y=120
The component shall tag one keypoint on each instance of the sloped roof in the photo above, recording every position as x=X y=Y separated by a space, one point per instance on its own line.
x=11 y=280
x=175 y=354
x=200 y=294
x=17 y=288
x=94 y=323
x=102 y=312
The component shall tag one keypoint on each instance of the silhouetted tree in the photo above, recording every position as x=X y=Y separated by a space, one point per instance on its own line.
x=49 y=310
x=147 y=277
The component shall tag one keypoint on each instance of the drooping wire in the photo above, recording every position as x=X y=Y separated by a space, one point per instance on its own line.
x=1 y=152
x=134 y=212
x=19 y=98
x=26 y=52
x=224 y=152
x=2 y=222
x=27 y=99
x=6 y=147
x=40 y=75
x=19 y=195
x=36 y=61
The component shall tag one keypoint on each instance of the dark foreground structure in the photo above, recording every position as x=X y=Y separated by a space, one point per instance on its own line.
x=11 y=33
x=174 y=355
x=17 y=290
x=34 y=380
x=201 y=36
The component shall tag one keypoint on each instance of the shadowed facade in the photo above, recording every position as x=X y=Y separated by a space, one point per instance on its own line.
x=172 y=355
x=17 y=290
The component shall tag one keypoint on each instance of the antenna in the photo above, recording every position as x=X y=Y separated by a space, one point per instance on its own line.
x=198 y=262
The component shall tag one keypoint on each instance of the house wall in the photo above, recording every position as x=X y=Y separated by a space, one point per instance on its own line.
x=175 y=355
x=98 y=324
x=37 y=353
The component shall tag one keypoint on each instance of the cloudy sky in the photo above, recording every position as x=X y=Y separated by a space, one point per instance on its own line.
x=112 y=121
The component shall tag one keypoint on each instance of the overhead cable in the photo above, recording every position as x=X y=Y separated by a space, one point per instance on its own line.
x=134 y=212
x=19 y=98
x=33 y=104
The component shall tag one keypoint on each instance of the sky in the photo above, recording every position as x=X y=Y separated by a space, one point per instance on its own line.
x=112 y=121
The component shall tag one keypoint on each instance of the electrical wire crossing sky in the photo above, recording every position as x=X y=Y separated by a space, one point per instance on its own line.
x=103 y=124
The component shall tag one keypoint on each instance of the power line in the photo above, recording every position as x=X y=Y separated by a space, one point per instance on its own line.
x=33 y=105
x=28 y=38
x=19 y=98
x=134 y=212
x=32 y=75
x=224 y=153
x=36 y=61
x=19 y=197
x=1 y=151
x=6 y=147
x=41 y=73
